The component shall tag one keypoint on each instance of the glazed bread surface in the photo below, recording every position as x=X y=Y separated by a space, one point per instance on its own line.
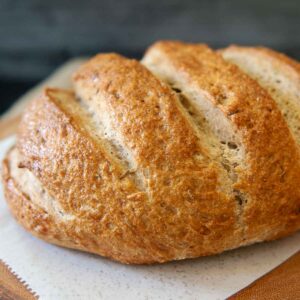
x=178 y=156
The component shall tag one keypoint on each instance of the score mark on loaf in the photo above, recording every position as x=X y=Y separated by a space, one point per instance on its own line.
x=189 y=152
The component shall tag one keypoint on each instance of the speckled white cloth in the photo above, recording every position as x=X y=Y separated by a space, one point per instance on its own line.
x=57 y=273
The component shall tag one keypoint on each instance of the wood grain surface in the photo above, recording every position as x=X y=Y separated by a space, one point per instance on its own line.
x=12 y=287
x=282 y=283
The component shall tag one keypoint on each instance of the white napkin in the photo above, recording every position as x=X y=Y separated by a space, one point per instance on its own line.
x=58 y=273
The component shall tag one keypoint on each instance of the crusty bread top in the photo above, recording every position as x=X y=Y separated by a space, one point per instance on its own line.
x=141 y=173
x=144 y=118
x=271 y=54
x=275 y=72
x=280 y=62
x=61 y=150
x=197 y=70
x=178 y=208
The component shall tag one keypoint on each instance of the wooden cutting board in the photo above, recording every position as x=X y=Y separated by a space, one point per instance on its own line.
x=12 y=287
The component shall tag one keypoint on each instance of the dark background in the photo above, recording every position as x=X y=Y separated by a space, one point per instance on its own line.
x=37 y=36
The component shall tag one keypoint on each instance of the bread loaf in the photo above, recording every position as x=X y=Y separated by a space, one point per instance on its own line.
x=181 y=155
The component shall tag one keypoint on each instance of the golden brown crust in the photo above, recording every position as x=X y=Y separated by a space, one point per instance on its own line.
x=76 y=234
x=285 y=62
x=172 y=205
x=72 y=167
x=180 y=185
x=67 y=160
x=32 y=218
x=271 y=180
